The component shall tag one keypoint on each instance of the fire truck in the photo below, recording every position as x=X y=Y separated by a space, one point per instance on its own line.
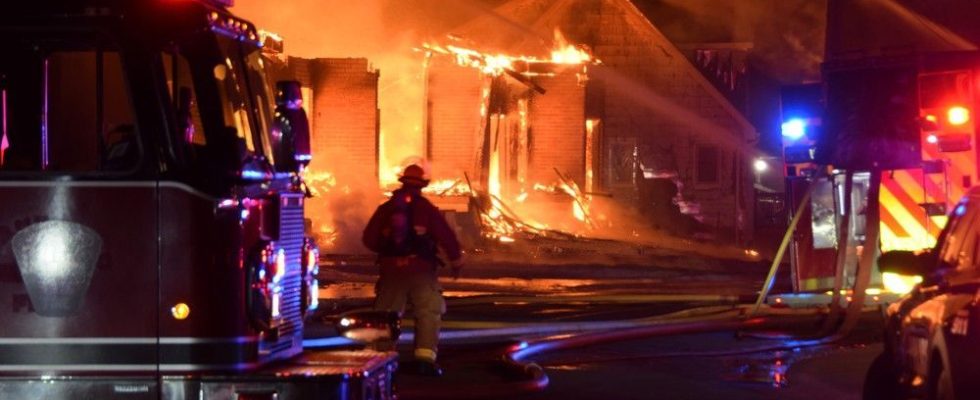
x=908 y=116
x=152 y=241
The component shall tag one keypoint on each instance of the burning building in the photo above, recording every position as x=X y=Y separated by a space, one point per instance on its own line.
x=639 y=123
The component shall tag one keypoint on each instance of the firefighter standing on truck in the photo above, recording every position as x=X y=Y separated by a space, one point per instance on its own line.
x=405 y=231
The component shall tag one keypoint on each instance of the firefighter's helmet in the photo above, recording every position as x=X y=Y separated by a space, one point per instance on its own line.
x=414 y=175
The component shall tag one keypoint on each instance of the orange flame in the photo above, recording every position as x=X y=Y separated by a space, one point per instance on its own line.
x=581 y=203
x=566 y=53
x=496 y=64
x=447 y=187
x=321 y=183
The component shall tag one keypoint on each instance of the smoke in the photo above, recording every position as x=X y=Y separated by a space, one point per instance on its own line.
x=342 y=216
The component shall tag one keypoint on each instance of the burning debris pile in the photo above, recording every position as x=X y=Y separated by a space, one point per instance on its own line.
x=340 y=211
x=447 y=188
x=580 y=201
x=499 y=222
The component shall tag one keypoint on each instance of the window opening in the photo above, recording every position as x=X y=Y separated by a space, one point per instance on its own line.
x=707 y=164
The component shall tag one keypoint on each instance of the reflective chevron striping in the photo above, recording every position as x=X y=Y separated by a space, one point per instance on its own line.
x=904 y=223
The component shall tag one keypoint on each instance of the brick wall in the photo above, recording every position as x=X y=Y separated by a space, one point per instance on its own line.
x=557 y=129
x=345 y=118
x=629 y=50
x=454 y=132
x=298 y=70
x=556 y=122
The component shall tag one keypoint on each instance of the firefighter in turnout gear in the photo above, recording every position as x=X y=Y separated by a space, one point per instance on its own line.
x=406 y=232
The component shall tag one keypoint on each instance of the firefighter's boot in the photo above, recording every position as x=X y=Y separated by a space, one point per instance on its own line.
x=428 y=306
x=425 y=360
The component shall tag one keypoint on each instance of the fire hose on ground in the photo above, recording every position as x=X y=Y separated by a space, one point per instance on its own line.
x=470 y=330
x=533 y=377
x=581 y=334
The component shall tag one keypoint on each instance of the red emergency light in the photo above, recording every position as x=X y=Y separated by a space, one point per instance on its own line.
x=265 y=272
x=309 y=262
x=953 y=132
x=958 y=115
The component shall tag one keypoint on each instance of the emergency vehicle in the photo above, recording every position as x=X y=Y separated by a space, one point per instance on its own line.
x=910 y=117
x=152 y=212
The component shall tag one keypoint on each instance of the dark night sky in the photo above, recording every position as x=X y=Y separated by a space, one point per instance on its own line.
x=789 y=34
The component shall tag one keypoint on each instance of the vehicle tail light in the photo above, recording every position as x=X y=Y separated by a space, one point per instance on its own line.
x=277 y=266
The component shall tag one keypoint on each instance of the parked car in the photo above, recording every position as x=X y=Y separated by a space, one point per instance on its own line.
x=932 y=335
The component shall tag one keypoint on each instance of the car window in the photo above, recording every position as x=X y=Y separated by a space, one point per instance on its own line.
x=66 y=107
x=231 y=76
x=180 y=86
x=966 y=257
x=960 y=240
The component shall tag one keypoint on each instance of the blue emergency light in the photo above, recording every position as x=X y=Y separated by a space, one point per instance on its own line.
x=794 y=129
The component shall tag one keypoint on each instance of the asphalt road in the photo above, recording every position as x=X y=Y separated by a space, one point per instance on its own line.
x=695 y=366
x=633 y=371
